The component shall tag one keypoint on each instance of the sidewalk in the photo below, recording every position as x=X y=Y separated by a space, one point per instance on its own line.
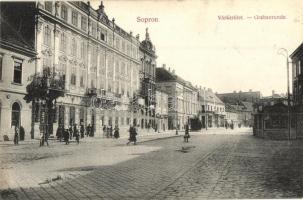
x=141 y=137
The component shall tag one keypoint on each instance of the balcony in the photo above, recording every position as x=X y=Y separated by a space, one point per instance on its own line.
x=48 y=85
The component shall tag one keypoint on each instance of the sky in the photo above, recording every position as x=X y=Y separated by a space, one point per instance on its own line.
x=225 y=55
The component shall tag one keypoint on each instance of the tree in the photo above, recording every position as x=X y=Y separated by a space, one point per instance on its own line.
x=45 y=88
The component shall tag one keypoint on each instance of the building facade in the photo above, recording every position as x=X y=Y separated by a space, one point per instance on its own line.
x=182 y=98
x=212 y=109
x=161 y=111
x=103 y=67
x=16 y=65
x=297 y=85
x=147 y=90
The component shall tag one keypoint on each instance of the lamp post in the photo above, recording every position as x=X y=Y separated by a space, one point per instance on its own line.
x=280 y=52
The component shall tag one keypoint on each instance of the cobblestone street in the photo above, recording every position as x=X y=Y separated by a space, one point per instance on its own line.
x=223 y=165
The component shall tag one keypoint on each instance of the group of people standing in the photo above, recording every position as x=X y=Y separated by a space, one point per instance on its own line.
x=108 y=131
x=74 y=131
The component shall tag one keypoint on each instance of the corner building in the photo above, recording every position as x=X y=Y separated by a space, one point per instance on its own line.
x=99 y=59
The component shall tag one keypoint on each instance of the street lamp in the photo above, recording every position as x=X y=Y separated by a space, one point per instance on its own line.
x=283 y=51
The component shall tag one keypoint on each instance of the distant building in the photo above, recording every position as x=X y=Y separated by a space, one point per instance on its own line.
x=211 y=109
x=182 y=97
x=161 y=111
x=234 y=97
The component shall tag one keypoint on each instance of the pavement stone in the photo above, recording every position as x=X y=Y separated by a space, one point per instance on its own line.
x=216 y=164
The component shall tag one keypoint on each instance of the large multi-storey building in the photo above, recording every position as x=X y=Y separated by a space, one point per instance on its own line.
x=182 y=97
x=99 y=61
x=147 y=74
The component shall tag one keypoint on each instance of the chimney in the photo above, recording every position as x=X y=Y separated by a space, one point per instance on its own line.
x=235 y=91
x=273 y=92
x=173 y=71
x=164 y=66
x=169 y=69
x=250 y=90
x=137 y=36
x=131 y=33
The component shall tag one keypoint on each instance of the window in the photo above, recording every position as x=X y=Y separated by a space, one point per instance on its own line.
x=83 y=23
x=1 y=59
x=73 y=76
x=47 y=36
x=74 y=18
x=127 y=121
x=62 y=68
x=102 y=36
x=82 y=78
x=46 y=63
x=64 y=12
x=15 y=114
x=17 y=71
x=63 y=42
x=49 y=6
x=74 y=47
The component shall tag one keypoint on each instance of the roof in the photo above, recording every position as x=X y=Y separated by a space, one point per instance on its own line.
x=163 y=75
x=298 y=52
x=17 y=29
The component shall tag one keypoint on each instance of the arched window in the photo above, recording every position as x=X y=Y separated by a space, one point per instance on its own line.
x=16 y=114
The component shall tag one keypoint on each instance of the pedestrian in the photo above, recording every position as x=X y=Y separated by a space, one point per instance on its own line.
x=104 y=131
x=16 y=136
x=186 y=135
x=116 y=133
x=60 y=132
x=66 y=136
x=111 y=131
x=82 y=131
x=132 y=135
x=88 y=130
x=46 y=137
x=70 y=131
x=76 y=133
x=22 y=133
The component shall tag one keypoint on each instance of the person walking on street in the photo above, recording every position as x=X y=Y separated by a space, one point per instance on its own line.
x=132 y=135
x=76 y=133
x=66 y=136
x=88 y=130
x=82 y=131
x=70 y=130
x=104 y=129
x=186 y=135
x=111 y=131
x=16 y=136
x=116 y=133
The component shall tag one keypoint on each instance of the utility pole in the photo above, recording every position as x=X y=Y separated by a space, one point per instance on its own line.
x=288 y=94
